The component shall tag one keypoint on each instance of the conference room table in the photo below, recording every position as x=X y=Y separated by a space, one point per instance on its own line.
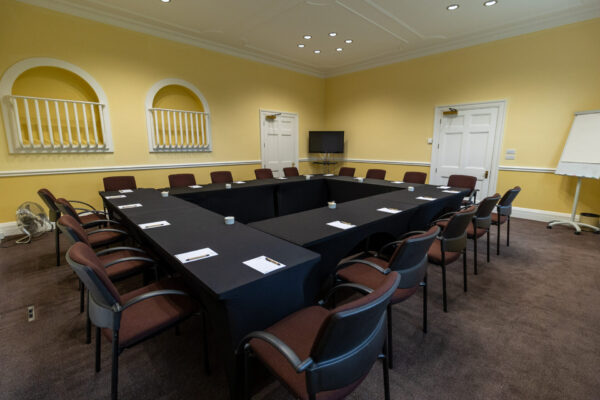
x=290 y=227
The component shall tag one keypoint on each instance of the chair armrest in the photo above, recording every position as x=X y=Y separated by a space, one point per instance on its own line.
x=107 y=230
x=279 y=345
x=149 y=295
x=100 y=222
x=125 y=259
x=438 y=220
x=411 y=233
x=365 y=262
x=119 y=248
x=84 y=203
x=356 y=286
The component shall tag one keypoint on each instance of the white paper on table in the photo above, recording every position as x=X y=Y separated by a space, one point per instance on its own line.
x=134 y=205
x=389 y=210
x=156 y=224
x=240 y=182
x=196 y=255
x=195 y=186
x=443 y=187
x=397 y=182
x=281 y=177
x=328 y=175
x=426 y=198
x=116 y=196
x=264 y=264
x=125 y=191
x=341 y=224
x=450 y=191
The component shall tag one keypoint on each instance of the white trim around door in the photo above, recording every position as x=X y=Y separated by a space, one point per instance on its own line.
x=272 y=114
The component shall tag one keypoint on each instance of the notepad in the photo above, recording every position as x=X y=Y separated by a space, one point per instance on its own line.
x=389 y=210
x=134 y=205
x=397 y=182
x=116 y=196
x=264 y=264
x=443 y=187
x=426 y=198
x=450 y=191
x=240 y=182
x=195 y=186
x=125 y=191
x=341 y=224
x=196 y=255
x=157 y=224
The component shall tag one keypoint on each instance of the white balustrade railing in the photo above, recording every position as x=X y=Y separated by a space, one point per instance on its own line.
x=56 y=125
x=179 y=130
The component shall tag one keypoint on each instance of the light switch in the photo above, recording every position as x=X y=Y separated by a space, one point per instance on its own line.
x=511 y=151
x=509 y=157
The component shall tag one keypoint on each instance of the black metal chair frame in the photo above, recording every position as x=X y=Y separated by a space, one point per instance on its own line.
x=505 y=210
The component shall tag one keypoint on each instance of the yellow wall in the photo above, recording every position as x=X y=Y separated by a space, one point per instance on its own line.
x=545 y=77
x=126 y=64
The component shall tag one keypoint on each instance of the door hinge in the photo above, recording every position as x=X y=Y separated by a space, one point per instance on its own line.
x=486 y=175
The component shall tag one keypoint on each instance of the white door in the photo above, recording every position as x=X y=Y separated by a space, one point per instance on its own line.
x=279 y=140
x=467 y=143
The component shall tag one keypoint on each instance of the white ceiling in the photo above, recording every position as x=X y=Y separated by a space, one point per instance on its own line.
x=384 y=31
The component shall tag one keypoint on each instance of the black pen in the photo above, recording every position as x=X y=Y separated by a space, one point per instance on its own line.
x=271 y=260
x=197 y=257
x=345 y=223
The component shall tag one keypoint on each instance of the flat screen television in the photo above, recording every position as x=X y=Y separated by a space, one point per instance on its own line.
x=326 y=141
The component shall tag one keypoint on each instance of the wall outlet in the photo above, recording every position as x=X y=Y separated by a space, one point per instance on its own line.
x=30 y=313
x=509 y=157
x=511 y=151
x=429 y=140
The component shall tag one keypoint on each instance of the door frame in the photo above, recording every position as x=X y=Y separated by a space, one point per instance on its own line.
x=496 y=151
x=263 y=113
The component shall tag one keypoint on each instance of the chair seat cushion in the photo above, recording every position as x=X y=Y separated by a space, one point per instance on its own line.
x=435 y=254
x=298 y=330
x=470 y=231
x=150 y=316
x=123 y=269
x=104 y=238
x=85 y=219
x=503 y=218
x=371 y=278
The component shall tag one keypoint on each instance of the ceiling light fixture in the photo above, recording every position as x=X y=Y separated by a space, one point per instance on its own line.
x=165 y=1
x=452 y=7
x=317 y=51
x=300 y=45
x=339 y=49
x=332 y=34
x=490 y=3
x=348 y=41
x=307 y=37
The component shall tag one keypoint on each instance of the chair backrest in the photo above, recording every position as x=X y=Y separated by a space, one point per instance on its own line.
x=483 y=216
x=414 y=177
x=376 y=173
x=114 y=183
x=462 y=181
x=72 y=229
x=181 y=180
x=410 y=257
x=104 y=298
x=263 y=173
x=221 y=177
x=505 y=203
x=49 y=199
x=346 y=171
x=454 y=235
x=350 y=339
x=67 y=209
x=291 y=171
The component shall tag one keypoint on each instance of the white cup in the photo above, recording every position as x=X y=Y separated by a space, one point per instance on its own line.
x=331 y=204
x=411 y=188
x=228 y=186
x=308 y=177
x=164 y=194
x=360 y=179
x=229 y=220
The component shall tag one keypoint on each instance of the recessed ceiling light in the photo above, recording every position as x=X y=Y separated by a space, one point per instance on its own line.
x=332 y=34
x=307 y=37
x=339 y=49
x=348 y=41
x=317 y=51
x=490 y=3
x=300 y=45
x=452 y=7
x=166 y=1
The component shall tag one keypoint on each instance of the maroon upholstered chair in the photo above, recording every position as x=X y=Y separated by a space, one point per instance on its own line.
x=263 y=173
x=347 y=171
x=221 y=177
x=291 y=171
x=480 y=226
x=465 y=182
x=449 y=245
x=503 y=212
x=181 y=180
x=414 y=177
x=408 y=257
x=375 y=174
x=114 y=183
x=131 y=318
x=325 y=354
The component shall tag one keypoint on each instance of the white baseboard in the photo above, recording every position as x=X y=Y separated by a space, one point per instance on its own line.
x=540 y=215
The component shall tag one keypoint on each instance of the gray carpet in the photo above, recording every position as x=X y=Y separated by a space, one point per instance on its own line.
x=529 y=328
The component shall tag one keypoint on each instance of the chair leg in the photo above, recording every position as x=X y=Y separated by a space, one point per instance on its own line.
x=57 y=245
x=390 y=355
x=475 y=254
x=424 y=284
x=205 y=344
x=488 y=245
x=445 y=300
x=245 y=391
x=386 y=374
x=88 y=325
x=508 y=231
x=465 y=269
x=498 y=239
x=98 y=349
x=81 y=296
x=114 y=390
